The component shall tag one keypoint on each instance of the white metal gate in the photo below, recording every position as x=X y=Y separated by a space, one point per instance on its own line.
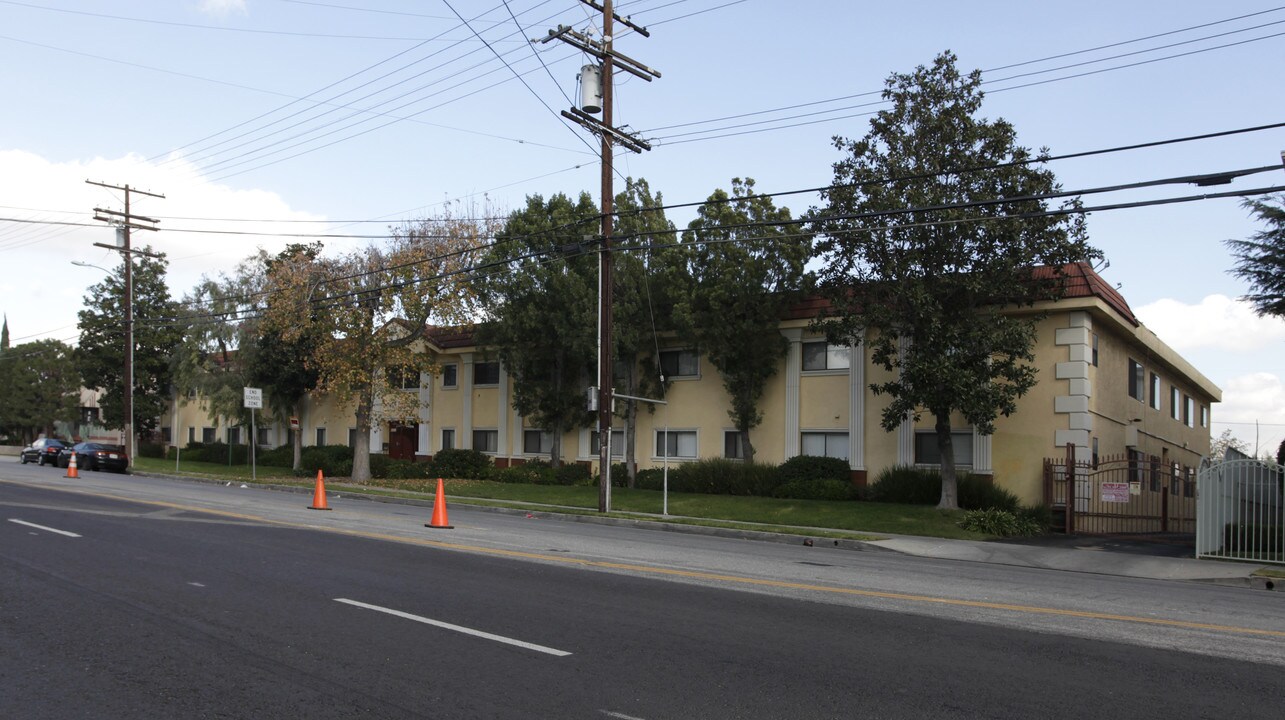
x=1240 y=511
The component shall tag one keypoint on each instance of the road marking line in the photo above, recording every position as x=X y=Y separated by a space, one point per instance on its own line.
x=646 y=570
x=618 y=716
x=42 y=527
x=457 y=628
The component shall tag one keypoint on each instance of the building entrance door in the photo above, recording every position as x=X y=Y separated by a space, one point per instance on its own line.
x=403 y=441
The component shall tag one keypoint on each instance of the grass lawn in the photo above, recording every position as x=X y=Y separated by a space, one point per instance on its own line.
x=819 y=517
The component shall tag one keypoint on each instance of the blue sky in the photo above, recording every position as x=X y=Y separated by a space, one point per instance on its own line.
x=286 y=110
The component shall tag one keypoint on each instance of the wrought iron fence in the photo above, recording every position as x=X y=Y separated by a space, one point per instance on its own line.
x=1242 y=511
x=1121 y=494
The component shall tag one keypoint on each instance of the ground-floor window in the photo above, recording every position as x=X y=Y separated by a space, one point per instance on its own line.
x=487 y=441
x=264 y=438
x=448 y=438
x=537 y=442
x=234 y=436
x=321 y=436
x=676 y=443
x=825 y=444
x=352 y=438
x=927 y=452
x=733 y=445
x=207 y=435
x=617 y=443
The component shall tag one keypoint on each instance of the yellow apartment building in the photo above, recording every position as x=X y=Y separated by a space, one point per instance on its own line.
x=1106 y=384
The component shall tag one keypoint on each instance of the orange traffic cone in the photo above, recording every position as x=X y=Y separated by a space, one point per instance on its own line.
x=319 y=495
x=439 y=520
x=71 y=467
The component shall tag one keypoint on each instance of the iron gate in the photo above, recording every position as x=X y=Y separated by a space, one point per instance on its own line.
x=1242 y=511
x=1120 y=495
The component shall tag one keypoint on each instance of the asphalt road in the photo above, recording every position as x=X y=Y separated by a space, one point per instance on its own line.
x=172 y=599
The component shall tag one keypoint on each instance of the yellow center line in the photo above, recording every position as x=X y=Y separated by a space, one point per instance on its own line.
x=693 y=574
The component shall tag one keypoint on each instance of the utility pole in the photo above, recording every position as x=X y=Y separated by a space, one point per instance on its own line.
x=610 y=135
x=126 y=222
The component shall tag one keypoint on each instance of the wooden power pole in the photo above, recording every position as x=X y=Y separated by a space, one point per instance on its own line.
x=126 y=222
x=609 y=60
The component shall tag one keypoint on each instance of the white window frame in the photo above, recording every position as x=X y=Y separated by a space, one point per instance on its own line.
x=679 y=374
x=831 y=351
x=959 y=439
x=1175 y=399
x=617 y=441
x=675 y=435
x=545 y=442
x=492 y=433
x=825 y=434
x=740 y=447
x=442 y=437
x=455 y=370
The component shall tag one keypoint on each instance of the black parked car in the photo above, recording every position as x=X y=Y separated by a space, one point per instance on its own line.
x=44 y=450
x=95 y=456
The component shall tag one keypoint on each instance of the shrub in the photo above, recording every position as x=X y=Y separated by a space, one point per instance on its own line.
x=401 y=469
x=650 y=479
x=575 y=474
x=817 y=489
x=217 y=452
x=532 y=473
x=461 y=464
x=980 y=493
x=1000 y=522
x=151 y=450
x=333 y=460
x=282 y=456
x=719 y=476
x=814 y=467
x=909 y=485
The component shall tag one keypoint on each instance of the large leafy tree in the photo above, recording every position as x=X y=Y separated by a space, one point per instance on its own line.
x=743 y=265
x=1260 y=261
x=39 y=386
x=910 y=253
x=371 y=308
x=642 y=301
x=100 y=358
x=538 y=289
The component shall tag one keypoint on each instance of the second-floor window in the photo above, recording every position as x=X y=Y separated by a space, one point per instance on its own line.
x=450 y=376
x=679 y=363
x=486 y=373
x=1155 y=391
x=824 y=356
x=1137 y=380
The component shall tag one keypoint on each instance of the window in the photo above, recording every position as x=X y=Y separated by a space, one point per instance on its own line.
x=450 y=377
x=1173 y=402
x=234 y=436
x=926 y=452
x=448 y=437
x=1137 y=466
x=486 y=441
x=1095 y=453
x=733 y=445
x=1095 y=349
x=352 y=438
x=486 y=373
x=676 y=443
x=191 y=435
x=406 y=378
x=167 y=436
x=1204 y=416
x=1188 y=411
x=617 y=443
x=1137 y=380
x=89 y=415
x=537 y=442
x=321 y=436
x=1155 y=391
x=264 y=440
x=207 y=435
x=825 y=444
x=824 y=356
x=679 y=363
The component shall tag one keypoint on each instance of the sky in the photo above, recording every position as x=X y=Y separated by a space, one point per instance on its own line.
x=274 y=120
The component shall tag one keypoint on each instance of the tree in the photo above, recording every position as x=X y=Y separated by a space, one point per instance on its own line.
x=39 y=386
x=1260 y=261
x=371 y=307
x=909 y=254
x=1218 y=448
x=538 y=291
x=743 y=267
x=100 y=358
x=642 y=302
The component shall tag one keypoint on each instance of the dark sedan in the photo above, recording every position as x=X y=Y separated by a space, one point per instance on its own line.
x=95 y=456
x=44 y=450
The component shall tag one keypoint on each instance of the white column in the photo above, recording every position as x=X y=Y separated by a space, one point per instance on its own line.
x=502 y=414
x=425 y=443
x=857 y=406
x=793 y=371
x=465 y=439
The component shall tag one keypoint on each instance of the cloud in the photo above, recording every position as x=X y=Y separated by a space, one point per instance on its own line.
x=222 y=8
x=1253 y=408
x=36 y=192
x=1217 y=322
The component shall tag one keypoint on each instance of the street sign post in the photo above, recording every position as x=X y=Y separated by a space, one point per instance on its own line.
x=253 y=401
